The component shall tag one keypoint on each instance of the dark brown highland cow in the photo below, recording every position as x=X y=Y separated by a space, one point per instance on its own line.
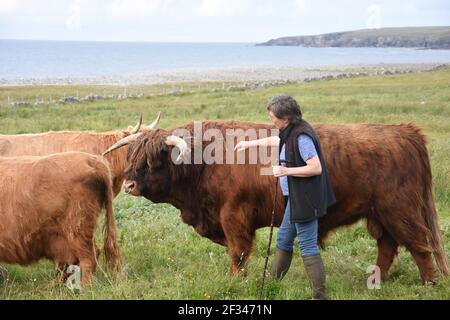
x=380 y=173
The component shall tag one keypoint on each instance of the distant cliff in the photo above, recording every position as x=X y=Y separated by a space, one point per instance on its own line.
x=410 y=37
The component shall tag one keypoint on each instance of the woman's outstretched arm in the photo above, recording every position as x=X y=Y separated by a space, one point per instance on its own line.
x=272 y=141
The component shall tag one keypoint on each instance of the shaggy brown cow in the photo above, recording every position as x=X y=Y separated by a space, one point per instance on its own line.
x=379 y=172
x=41 y=144
x=49 y=208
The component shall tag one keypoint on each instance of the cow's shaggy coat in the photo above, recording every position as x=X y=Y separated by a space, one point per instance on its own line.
x=49 y=207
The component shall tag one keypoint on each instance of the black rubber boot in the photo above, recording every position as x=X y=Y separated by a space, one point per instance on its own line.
x=316 y=273
x=281 y=264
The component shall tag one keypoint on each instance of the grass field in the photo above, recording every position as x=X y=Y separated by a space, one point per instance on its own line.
x=166 y=259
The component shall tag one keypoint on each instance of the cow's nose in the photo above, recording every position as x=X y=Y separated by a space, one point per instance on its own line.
x=128 y=186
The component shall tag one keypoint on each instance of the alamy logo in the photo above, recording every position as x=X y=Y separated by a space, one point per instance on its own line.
x=74 y=280
x=374 y=279
x=212 y=146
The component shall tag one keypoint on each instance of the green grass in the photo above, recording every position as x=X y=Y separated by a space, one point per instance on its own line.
x=166 y=259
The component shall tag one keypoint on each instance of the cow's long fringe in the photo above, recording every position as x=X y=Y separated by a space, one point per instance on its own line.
x=147 y=149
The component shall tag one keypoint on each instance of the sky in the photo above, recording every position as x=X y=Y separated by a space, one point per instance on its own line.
x=207 y=20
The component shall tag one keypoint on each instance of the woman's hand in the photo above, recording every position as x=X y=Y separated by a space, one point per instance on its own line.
x=279 y=171
x=241 y=146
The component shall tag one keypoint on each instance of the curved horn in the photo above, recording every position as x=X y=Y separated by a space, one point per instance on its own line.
x=154 y=124
x=138 y=126
x=180 y=144
x=122 y=142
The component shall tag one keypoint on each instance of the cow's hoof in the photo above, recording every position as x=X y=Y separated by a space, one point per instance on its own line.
x=430 y=283
x=238 y=272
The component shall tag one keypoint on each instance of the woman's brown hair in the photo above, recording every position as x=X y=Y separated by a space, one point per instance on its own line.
x=285 y=107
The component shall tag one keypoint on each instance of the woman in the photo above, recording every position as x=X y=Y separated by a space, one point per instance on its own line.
x=305 y=184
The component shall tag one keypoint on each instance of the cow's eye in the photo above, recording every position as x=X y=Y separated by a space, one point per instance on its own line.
x=141 y=171
x=156 y=165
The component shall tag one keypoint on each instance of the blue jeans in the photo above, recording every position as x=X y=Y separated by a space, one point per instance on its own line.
x=305 y=232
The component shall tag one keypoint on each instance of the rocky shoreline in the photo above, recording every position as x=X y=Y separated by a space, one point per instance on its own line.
x=223 y=80
x=238 y=74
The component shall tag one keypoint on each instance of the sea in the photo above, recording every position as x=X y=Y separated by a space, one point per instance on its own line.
x=43 y=59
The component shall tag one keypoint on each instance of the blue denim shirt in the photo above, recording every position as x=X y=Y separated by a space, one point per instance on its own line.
x=307 y=151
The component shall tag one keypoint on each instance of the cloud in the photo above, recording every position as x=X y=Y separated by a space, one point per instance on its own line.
x=374 y=19
x=302 y=7
x=8 y=6
x=225 y=8
x=133 y=8
x=210 y=7
x=73 y=21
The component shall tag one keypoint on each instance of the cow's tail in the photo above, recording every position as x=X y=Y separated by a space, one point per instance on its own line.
x=436 y=238
x=111 y=247
x=429 y=212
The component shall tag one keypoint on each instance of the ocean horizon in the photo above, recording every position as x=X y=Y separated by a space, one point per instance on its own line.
x=22 y=59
